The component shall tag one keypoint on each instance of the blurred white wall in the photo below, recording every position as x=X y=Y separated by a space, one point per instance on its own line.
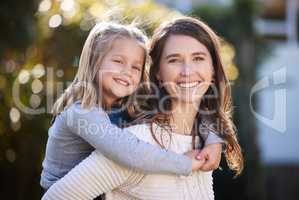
x=279 y=135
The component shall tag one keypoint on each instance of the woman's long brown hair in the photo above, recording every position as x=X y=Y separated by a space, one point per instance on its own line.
x=218 y=110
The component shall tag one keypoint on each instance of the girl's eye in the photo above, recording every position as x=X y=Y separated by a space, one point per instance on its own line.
x=136 y=68
x=198 y=59
x=117 y=61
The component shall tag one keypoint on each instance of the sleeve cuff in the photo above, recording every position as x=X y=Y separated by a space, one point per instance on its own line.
x=213 y=138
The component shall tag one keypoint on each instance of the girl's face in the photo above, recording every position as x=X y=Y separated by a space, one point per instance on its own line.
x=121 y=69
x=186 y=69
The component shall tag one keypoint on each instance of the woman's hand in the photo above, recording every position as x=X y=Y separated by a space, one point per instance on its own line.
x=196 y=163
x=212 y=156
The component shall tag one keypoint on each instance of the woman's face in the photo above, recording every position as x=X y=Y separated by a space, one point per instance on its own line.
x=121 y=69
x=186 y=69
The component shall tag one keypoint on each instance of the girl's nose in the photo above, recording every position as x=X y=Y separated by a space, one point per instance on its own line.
x=127 y=70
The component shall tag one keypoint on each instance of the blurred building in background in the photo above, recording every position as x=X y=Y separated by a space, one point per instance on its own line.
x=187 y=5
x=278 y=115
x=278 y=94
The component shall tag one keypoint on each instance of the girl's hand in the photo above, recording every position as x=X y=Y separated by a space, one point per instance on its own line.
x=212 y=156
x=196 y=163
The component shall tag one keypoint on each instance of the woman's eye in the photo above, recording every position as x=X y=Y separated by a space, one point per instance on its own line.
x=174 y=60
x=198 y=59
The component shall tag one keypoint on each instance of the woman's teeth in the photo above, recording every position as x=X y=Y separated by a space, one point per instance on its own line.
x=122 y=82
x=188 y=85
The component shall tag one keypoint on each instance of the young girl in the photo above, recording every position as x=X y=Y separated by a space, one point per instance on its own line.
x=186 y=65
x=110 y=69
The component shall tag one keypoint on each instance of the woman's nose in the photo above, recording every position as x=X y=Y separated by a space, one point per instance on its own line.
x=185 y=71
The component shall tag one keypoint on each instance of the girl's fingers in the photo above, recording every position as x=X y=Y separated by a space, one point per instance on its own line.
x=197 y=164
x=202 y=155
x=201 y=163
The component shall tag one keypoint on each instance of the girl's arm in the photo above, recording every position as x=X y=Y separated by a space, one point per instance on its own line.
x=213 y=138
x=93 y=176
x=209 y=134
x=120 y=145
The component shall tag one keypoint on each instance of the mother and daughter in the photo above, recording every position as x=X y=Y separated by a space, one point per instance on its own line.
x=171 y=147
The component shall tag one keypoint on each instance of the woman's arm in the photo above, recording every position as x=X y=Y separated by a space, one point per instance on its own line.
x=122 y=146
x=93 y=176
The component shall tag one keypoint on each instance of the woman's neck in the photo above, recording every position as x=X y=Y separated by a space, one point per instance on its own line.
x=183 y=116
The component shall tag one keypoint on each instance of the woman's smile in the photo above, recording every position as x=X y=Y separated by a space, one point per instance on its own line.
x=192 y=84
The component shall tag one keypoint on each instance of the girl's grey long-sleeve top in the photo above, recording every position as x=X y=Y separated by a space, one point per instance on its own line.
x=76 y=132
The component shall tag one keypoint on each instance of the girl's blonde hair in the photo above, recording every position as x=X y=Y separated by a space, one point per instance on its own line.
x=85 y=86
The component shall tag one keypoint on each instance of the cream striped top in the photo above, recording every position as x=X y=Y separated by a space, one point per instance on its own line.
x=97 y=175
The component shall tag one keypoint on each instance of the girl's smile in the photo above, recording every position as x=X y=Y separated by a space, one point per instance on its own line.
x=122 y=81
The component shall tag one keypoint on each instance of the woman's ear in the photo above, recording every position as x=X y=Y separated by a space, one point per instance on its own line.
x=158 y=77
x=159 y=80
x=213 y=77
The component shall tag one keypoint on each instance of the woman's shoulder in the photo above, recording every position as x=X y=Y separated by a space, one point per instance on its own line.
x=138 y=128
x=142 y=131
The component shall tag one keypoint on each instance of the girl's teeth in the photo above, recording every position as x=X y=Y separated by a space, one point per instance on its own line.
x=188 y=85
x=122 y=82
